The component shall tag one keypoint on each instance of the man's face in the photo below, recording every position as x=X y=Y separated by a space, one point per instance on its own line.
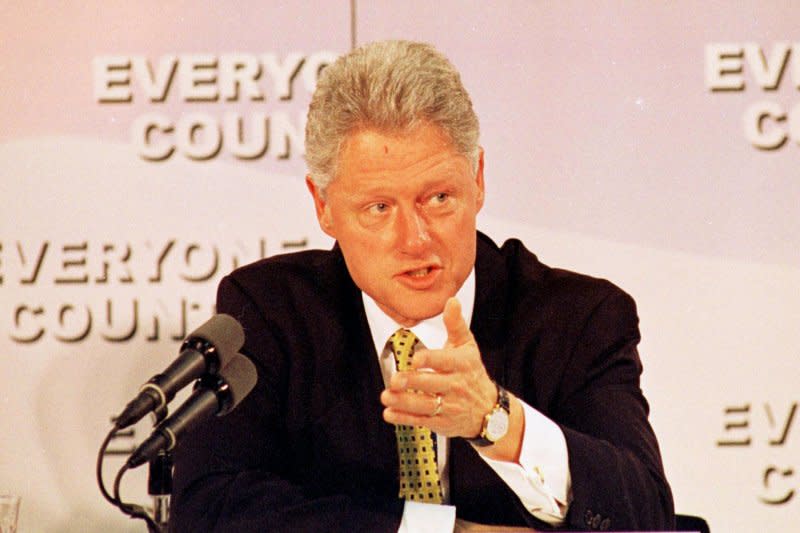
x=403 y=209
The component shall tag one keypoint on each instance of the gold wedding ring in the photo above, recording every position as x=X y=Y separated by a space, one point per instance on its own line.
x=438 y=408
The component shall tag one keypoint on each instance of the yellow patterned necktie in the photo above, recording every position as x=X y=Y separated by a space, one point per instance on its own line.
x=419 y=473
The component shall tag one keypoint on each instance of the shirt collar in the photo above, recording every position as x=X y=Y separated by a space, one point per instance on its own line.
x=431 y=331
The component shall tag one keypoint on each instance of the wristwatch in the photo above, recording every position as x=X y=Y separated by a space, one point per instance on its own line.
x=495 y=423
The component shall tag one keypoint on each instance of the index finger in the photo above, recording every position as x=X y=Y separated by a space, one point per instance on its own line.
x=442 y=361
x=458 y=332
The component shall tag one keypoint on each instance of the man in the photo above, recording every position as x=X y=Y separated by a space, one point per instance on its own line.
x=416 y=340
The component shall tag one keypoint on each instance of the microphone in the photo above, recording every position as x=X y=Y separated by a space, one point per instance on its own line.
x=205 y=351
x=213 y=395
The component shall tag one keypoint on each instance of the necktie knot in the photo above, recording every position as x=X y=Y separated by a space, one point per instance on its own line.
x=403 y=343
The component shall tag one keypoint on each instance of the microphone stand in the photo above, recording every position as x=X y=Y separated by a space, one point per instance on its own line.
x=159 y=481
x=159 y=486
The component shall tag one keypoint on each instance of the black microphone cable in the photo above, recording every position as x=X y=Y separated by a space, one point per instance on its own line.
x=130 y=509
x=99 y=466
x=134 y=511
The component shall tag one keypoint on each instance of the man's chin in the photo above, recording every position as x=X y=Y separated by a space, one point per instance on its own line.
x=411 y=316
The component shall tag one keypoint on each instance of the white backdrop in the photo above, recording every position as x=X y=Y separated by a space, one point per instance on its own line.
x=146 y=149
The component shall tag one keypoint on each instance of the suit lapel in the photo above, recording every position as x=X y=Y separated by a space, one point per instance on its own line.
x=471 y=480
x=488 y=316
x=359 y=352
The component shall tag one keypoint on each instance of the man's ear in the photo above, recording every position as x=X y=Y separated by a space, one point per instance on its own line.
x=479 y=179
x=321 y=207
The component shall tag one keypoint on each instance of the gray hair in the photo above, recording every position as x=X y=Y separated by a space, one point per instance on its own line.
x=389 y=86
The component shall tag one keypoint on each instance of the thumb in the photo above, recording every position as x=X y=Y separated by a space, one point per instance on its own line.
x=458 y=332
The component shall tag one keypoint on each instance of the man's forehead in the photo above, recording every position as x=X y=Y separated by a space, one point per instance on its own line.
x=373 y=148
x=432 y=133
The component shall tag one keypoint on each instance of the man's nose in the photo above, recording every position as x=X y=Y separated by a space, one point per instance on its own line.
x=412 y=230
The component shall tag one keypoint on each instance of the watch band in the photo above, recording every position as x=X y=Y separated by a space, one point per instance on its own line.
x=502 y=403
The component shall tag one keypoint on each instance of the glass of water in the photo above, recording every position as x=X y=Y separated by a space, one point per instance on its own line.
x=9 y=513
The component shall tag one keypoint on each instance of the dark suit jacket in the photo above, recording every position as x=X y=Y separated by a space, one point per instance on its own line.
x=308 y=449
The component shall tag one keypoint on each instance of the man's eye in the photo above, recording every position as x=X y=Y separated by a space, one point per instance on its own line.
x=440 y=198
x=378 y=208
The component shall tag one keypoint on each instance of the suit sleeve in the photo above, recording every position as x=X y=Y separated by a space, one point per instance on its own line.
x=239 y=472
x=618 y=480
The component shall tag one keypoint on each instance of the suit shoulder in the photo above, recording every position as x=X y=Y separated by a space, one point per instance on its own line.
x=308 y=266
x=286 y=283
x=530 y=278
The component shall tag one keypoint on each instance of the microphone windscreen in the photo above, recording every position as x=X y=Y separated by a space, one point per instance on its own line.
x=224 y=332
x=241 y=376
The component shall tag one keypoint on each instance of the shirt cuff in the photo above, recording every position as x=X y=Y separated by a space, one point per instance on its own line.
x=541 y=480
x=427 y=518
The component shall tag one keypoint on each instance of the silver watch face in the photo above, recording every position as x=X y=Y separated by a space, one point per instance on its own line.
x=497 y=425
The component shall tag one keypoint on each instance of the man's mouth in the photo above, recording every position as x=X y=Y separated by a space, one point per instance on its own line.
x=421 y=278
x=419 y=273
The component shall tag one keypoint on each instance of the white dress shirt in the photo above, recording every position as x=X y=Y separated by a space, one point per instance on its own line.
x=541 y=478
